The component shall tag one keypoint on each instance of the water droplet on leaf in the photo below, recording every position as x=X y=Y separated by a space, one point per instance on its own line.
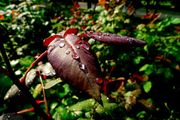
x=75 y=56
x=62 y=39
x=107 y=34
x=67 y=52
x=83 y=67
x=85 y=46
x=61 y=44
x=77 y=46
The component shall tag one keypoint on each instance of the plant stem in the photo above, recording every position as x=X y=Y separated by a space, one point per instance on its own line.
x=21 y=87
x=44 y=94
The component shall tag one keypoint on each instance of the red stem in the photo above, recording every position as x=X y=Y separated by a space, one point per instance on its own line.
x=32 y=65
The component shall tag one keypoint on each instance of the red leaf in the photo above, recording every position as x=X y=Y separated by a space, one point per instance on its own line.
x=48 y=40
x=71 y=31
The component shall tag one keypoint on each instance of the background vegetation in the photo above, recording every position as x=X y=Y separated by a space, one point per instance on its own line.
x=149 y=76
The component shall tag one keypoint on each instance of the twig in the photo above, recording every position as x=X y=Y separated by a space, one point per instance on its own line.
x=32 y=65
x=21 y=87
x=44 y=94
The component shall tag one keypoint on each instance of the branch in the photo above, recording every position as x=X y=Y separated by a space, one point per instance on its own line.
x=21 y=87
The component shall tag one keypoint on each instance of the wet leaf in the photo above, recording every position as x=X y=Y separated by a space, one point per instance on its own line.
x=46 y=69
x=12 y=92
x=30 y=77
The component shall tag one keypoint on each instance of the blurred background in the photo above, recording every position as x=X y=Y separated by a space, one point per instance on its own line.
x=149 y=76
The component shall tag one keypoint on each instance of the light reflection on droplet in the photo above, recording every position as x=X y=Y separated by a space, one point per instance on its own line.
x=61 y=44
x=77 y=46
x=67 y=52
x=83 y=67
x=61 y=39
x=85 y=46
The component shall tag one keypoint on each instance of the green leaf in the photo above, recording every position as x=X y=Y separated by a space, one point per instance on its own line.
x=141 y=114
x=175 y=21
x=147 y=86
x=83 y=105
x=37 y=90
x=138 y=59
x=62 y=114
x=144 y=67
x=52 y=83
x=147 y=68
x=26 y=61
x=54 y=105
x=65 y=91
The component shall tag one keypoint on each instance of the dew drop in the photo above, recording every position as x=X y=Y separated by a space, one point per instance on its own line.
x=83 y=67
x=75 y=56
x=85 y=46
x=130 y=40
x=77 y=46
x=107 y=34
x=107 y=98
x=50 y=48
x=67 y=52
x=61 y=39
x=61 y=44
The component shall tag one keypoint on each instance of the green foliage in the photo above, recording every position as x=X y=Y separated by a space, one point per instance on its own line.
x=147 y=86
x=26 y=61
x=150 y=87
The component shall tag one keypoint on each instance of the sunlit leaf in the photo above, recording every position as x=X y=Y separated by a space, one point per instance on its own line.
x=138 y=59
x=26 y=61
x=37 y=90
x=46 y=69
x=52 y=83
x=147 y=68
x=147 y=86
x=14 y=62
x=53 y=105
